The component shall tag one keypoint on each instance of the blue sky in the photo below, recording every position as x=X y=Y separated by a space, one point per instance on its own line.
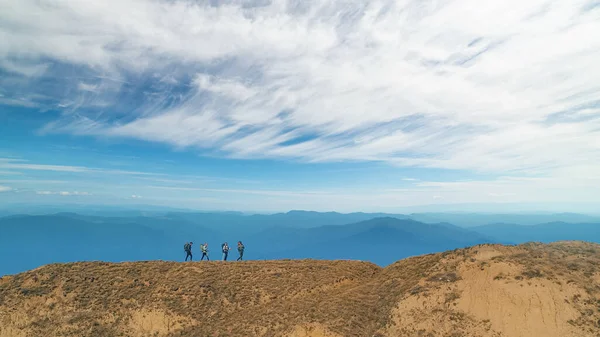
x=278 y=105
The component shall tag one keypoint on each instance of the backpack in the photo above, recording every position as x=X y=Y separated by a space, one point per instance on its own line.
x=186 y=247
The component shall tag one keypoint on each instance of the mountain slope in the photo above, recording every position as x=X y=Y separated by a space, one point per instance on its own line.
x=487 y=290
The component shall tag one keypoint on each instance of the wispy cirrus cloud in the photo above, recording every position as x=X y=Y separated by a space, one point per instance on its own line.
x=5 y=188
x=63 y=193
x=33 y=181
x=9 y=173
x=513 y=88
x=187 y=180
x=282 y=193
x=562 y=186
x=21 y=164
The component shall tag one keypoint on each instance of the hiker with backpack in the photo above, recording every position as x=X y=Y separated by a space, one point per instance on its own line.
x=225 y=248
x=187 y=247
x=204 y=249
x=240 y=250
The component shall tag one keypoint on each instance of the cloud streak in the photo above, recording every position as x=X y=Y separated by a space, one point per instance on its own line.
x=18 y=164
x=9 y=173
x=63 y=193
x=513 y=88
x=281 y=193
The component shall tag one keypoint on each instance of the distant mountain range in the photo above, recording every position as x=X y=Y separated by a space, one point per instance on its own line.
x=300 y=217
x=380 y=240
x=482 y=219
x=28 y=241
x=548 y=232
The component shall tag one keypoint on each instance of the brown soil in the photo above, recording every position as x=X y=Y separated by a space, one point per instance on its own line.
x=488 y=290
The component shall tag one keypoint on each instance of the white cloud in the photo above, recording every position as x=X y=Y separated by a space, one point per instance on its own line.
x=20 y=164
x=87 y=87
x=493 y=194
x=22 y=68
x=39 y=167
x=32 y=181
x=135 y=196
x=5 y=188
x=562 y=187
x=515 y=87
x=63 y=193
x=9 y=173
x=17 y=102
x=283 y=193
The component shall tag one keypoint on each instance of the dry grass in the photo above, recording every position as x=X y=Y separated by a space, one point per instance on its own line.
x=297 y=297
x=573 y=264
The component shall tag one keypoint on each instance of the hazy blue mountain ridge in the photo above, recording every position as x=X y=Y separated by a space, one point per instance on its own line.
x=28 y=241
x=547 y=232
x=41 y=239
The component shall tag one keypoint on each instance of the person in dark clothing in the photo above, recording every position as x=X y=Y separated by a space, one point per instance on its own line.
x=240 y=250
x=225 y=248
x=188 y=250
x=204 y=249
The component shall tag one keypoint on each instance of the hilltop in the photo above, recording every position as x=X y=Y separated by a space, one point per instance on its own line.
x=486 y=290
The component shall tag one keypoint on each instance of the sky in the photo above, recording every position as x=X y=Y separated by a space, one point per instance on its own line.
x=322 y=105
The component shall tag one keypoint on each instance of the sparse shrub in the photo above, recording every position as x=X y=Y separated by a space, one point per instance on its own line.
x=37 y=291
x=444 y=277
x=451 y=297
x=532 y=273
x=416 y=290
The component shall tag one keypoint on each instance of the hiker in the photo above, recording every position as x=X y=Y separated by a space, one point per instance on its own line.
x=225 y=248
x=240 y=250
x=188 y=250
x=204 y=249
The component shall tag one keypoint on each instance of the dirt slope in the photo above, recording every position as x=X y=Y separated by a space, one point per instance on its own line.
x=488 y=290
